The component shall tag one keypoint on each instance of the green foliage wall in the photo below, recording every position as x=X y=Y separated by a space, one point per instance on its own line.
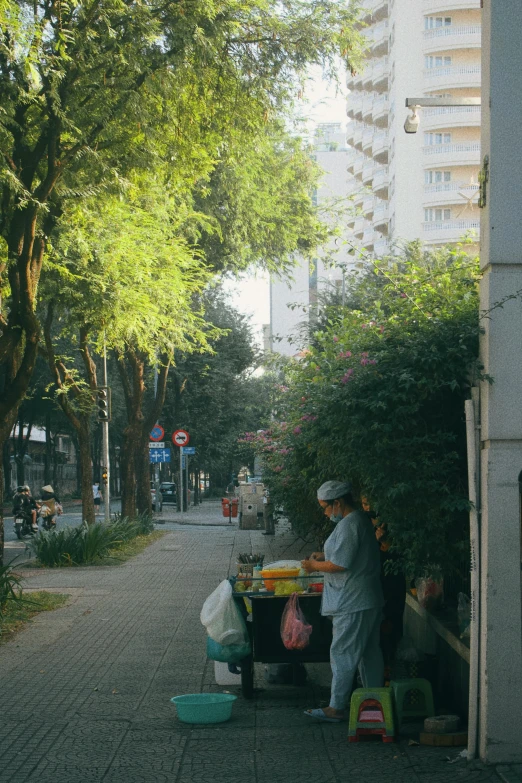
x=379 y=398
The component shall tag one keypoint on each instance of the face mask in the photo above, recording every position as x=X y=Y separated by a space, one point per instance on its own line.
x=335 y=518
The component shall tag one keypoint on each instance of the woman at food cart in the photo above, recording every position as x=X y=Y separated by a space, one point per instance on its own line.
x=352 y=597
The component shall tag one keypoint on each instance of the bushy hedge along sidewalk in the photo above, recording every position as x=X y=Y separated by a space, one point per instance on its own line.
x=88 y=544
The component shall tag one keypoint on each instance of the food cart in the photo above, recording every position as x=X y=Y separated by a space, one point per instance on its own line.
x=263 y=612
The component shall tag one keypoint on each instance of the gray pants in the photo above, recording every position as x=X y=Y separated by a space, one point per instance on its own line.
x=355 y=646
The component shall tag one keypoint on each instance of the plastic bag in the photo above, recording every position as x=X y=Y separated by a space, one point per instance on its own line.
x=227 y=653
x=464 y=615
x=222 y=618
x=429 y=592
x=295 y=631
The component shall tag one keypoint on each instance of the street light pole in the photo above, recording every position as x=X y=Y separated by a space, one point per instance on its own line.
x=105 y=436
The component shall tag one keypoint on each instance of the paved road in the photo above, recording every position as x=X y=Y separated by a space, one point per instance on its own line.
x=86 y=689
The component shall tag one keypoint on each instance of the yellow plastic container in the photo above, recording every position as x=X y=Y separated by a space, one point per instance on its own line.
x=270 y=575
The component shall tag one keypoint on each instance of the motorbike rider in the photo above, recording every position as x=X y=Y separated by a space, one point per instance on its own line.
x=24 y=503
x=50 y=501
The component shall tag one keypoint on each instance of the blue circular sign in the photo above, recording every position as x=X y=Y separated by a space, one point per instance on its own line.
x=157 y=432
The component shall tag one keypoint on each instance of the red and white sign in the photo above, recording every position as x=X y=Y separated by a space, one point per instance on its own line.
x=180 y=438
x=158 y=433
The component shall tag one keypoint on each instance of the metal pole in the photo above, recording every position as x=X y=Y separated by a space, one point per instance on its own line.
x=344 y=288
x=105 y=434
x=187 y=480
x=156 y=466
x=181 y=479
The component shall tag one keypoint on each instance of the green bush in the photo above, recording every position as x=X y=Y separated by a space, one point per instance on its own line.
x=10 y=587
x=379 y=398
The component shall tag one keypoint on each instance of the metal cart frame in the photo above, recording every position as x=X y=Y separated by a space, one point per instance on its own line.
x=264 y=631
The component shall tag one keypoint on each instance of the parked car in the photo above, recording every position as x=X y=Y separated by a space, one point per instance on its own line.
x=168 y=492
x=156 y=497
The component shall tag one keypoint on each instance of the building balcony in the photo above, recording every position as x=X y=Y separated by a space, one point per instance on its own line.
x=381 y=217
x=374 y=10
x=381 y=181
x=381 y=246
x=458 y=36
x=381 y=108
x=367 y=80
x=367 y=140
x=381 y=146
x=378 y=38
x=449 y=230
x=354 y=102
x=457 y=194
x=351 y=218
x=439 y=6
x=380 y=74
x=367 y=172
x=357 y=81
x=367 y=238
x=359 y=198
x=358 y=137
x=350 y=160
x=359 y=226
x=465 y=154
x=358 y=167
x=451 y=117
x=350 y=132
x=368 y=206
x=367 y=108
x=452 y=76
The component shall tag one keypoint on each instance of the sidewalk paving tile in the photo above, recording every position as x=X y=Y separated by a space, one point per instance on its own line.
x=86 y=689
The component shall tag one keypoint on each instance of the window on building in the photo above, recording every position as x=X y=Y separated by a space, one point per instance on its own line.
x=432 y=139
x=436 y=215
x=437 y=61
x=434 y=176
x=436 y=21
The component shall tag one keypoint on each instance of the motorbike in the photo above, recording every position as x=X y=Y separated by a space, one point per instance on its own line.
x=23 y=524
x=47 y=517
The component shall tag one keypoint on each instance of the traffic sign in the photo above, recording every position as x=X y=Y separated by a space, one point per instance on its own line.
x=188 y=450
x=159 y=455
x=157 y=445
x=180 y=438
x=157 y=432
x=183 y=462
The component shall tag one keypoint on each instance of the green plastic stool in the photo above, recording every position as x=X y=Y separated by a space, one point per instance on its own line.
x=402 y=688
x=371 y=712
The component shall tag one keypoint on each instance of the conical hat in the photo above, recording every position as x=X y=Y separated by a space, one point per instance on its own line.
x=47 y=488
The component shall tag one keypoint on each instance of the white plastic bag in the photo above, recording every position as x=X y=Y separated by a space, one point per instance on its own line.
x=222 y=618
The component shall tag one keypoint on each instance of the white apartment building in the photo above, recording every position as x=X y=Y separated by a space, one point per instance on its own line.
x=422 y=186
x=290 y=300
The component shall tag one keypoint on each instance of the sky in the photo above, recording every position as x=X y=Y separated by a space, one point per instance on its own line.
x=251 y=294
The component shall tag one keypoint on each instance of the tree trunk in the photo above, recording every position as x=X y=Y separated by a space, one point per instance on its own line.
x=6 y=464
x=144 y=501
x=135 y=469
x=84 y=442
x=48 y=451
x=128 y=473
x=5 y=431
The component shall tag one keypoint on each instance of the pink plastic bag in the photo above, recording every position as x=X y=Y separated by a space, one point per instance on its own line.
x=295 y=631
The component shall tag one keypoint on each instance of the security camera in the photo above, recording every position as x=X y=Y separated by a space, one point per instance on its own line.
x=412 y=122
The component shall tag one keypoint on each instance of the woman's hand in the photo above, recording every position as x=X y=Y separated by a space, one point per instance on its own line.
x=309 y=565
x=317 y=556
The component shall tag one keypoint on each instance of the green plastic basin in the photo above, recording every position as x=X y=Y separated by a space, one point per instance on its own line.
x=204 y=707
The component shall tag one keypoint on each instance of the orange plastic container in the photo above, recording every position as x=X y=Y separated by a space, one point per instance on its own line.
x=270 y=575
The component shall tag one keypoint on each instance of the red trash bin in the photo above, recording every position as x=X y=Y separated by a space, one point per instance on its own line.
x=229 y=507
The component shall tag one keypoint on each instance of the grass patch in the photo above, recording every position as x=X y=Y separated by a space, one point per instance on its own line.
x=129 y=549
x=16 y=615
